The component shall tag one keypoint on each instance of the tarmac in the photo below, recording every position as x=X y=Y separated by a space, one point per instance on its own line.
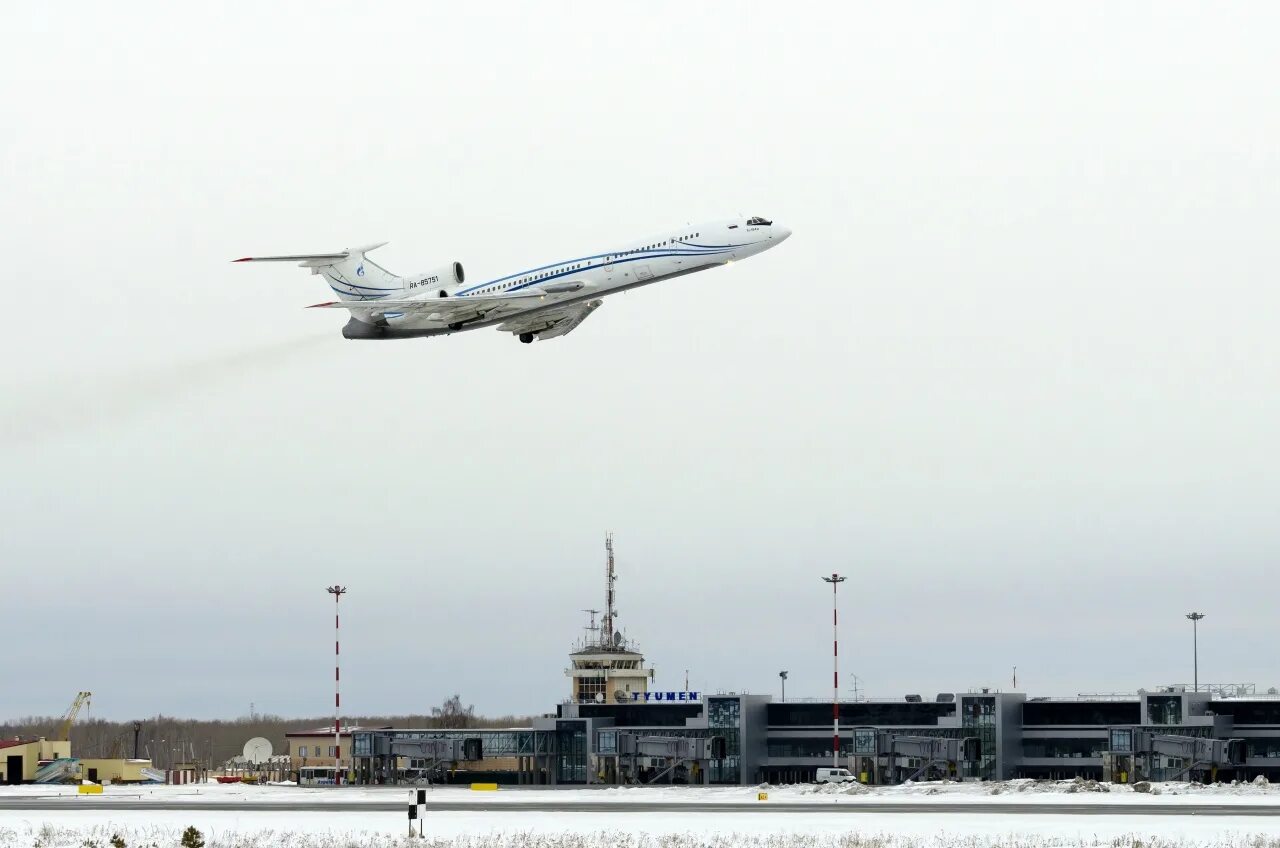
x=77 y=803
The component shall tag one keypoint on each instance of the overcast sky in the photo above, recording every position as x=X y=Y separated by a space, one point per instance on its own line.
x=1014 y=374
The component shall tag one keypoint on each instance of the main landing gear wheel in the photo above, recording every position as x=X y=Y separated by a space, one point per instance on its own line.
x=526 y=338
x=456 y=325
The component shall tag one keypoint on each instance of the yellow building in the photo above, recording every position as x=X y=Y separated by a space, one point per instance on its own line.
x=315 y=747
x=115 y=770
x=20 y=759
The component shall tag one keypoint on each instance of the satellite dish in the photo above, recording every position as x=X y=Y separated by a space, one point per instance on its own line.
x=617 y=638
x=619 y=695
x=599 y=697
x=257 y=750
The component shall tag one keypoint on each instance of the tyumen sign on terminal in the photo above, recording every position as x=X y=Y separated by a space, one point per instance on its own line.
x=665 y=696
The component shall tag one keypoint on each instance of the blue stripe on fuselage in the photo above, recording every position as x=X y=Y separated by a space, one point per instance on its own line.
x=615 y=262
x=624 y=256
x=621 y=256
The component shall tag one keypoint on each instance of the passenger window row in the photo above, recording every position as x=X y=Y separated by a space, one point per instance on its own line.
x=529 y=279
x=638 y=250
x=654 y=246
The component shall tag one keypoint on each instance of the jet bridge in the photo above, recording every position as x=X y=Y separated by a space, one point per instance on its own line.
x=641 y=759
x=431 y=759
x=885 y=757
x=525 y=755
x=1147 y=755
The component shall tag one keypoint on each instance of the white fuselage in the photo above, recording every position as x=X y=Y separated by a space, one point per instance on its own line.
x=679 y=251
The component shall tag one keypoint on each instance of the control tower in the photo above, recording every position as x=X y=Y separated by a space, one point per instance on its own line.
x=606 y=668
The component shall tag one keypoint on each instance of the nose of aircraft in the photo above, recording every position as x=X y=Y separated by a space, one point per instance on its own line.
x=781 y=233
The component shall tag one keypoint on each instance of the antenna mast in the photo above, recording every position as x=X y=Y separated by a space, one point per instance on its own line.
x=593 y=634
x=610 y=576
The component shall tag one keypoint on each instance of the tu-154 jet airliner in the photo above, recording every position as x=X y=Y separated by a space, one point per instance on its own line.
x=540 y=303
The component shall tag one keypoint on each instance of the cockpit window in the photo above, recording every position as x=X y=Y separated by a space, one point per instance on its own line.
x=758 y=222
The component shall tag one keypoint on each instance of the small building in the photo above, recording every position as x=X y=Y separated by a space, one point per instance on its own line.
x=115 y=770
x=20 y=759
x=315 y=747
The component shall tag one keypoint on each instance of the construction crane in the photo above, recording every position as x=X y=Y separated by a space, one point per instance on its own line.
x=64 y=731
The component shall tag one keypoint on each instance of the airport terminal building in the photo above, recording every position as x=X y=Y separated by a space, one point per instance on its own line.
x=613 y=728
x=736 y=739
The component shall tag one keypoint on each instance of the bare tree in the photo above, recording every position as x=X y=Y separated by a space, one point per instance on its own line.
x=165 y=738
x=451 y=714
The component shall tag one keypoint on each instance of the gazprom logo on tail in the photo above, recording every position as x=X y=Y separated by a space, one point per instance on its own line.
x=360 y=270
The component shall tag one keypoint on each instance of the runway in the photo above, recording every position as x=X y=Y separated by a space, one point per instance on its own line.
x=88 y=804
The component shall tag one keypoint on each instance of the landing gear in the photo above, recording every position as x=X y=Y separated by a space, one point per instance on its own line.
x=456 y=325
x=526 y=338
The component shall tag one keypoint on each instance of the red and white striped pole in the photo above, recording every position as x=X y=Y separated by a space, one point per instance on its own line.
x=337 y=592
x=835 y=580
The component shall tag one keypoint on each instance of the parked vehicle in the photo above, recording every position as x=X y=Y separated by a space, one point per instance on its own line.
x=317 y=776
x=834 y=775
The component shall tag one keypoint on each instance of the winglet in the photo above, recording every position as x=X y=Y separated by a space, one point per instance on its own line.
x=326 y=303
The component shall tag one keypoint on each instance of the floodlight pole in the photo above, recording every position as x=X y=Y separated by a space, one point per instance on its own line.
x=1195 y=646
x=835 y=580
x=783 y=675
x=337 y=592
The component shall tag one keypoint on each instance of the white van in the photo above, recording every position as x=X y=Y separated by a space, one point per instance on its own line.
x=833 y=775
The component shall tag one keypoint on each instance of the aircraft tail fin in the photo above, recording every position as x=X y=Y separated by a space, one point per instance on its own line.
x=348 y=272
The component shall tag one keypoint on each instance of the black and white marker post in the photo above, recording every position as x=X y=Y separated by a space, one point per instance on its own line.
x=418 y=811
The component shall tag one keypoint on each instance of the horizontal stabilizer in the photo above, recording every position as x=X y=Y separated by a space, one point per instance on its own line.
x=301 y=257
x=314 y=260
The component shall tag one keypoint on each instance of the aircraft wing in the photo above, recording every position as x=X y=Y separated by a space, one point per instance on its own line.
x=549 y=323
x=447 y=309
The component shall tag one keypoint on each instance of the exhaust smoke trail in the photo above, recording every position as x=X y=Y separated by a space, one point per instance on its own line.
x=39 y=413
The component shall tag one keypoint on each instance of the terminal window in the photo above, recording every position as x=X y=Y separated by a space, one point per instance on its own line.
x=1063 y=748
x=1164 y=709
x=725 y=715
x=1080 y=712
x=1249 y=712
x=818 y=714
x=1122 y=740
x=979 y=721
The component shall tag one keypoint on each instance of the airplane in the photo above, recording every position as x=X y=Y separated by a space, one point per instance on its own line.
x=539 y=303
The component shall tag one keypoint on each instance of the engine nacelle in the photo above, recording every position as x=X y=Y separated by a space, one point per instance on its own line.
x=443 y=280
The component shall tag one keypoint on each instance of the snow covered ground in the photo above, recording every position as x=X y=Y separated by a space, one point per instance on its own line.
x=604 y=830
x=272 y=822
